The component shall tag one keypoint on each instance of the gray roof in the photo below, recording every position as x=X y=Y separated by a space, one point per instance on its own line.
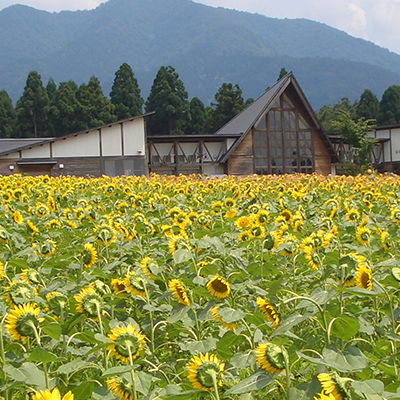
x=9 y=145
x=245 y=120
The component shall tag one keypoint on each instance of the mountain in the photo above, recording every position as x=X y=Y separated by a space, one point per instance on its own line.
x=207 y=46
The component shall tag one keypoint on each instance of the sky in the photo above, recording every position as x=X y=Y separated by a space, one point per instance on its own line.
x=373 y=20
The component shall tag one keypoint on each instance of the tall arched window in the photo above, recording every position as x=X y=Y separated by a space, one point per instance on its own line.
x=282 y=141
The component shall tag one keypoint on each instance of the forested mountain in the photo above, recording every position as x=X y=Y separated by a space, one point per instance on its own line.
x=207 y=46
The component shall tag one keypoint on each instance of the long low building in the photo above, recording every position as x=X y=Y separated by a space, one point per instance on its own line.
x=278 y=133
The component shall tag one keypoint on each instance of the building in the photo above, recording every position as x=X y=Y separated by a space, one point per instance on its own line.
x=278 y=133
x=115 y=149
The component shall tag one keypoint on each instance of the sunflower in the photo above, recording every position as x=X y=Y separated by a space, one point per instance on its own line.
x=2 y=271
x=56 y=303
x=323 y=396
x=268 y=311
x=145 y=263
x=53 y=223
x=135 y=284
x=363 y=234
x=4 y=235
x=218 y=287
x=270 y=357
x=352 y=215
x=178 y=292
x=122 y=388
x=177 y=242
x=311 y=257
x=118 y=286
x=105 y=234
x=22 y=321
x=123 y=337
x=19 y=290
x=331 y=385
x=243 y=222
x=230 y=213
x=31 y=276
x=289 y=245
x=89 y=255
x=205 y=371
x=53 y=395
x=363 y=277
x=18 y=219
x=89 y=302
x=45 y=249
x=395 y=215
x=230 y=326
x=245 y=236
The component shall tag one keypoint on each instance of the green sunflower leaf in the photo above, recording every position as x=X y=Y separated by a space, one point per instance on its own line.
x=345 y=327
x=257 y=381
x=27 y=373
x=372 y=386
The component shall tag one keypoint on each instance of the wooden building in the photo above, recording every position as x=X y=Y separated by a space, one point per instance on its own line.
x=279 y=133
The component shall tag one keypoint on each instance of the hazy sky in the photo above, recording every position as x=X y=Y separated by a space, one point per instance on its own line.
x=374 y=20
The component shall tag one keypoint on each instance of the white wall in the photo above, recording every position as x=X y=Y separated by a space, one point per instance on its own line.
x=82 y=145
x=111 y=140
x=134 y=137
x=42 y=151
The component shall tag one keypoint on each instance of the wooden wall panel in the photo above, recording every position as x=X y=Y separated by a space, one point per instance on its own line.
x=241 y=161
x=322 y=158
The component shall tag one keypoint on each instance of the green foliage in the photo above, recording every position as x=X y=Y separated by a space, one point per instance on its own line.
x=282 y=73
x=198 y=117
x=64 y=112
x=356 y=134
x=389 y=111
x=229 y=102
x=94 y=108
x=7 y=115
x=32 y=108
x=328 y=115
x=125 y=93
x=169 y=99
x=367 y=106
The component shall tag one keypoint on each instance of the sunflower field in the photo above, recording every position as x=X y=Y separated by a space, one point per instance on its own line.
x=193 y=287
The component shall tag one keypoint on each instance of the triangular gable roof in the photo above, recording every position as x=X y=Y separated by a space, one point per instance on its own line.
x=21 y=144
x=243 y=122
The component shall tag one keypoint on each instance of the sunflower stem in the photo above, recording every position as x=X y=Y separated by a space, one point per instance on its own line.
x=128 y=346
x=321 y=311
x=213 y=375
x=151 y=319
x=287 y=370
x=102 y=333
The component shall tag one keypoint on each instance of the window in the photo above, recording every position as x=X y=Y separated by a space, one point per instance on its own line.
x=127 y=166
x=282 y=141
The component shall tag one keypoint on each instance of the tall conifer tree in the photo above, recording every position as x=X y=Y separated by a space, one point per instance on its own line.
x=7 y=115
x=169 y=99
x=32 y=108
x=389 y=110
x=125 y=93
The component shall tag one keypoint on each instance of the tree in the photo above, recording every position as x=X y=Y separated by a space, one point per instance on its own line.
x=368 y=106
x=94 y=108
x=282 y=73
x=229 y=102
x=125 y=93
x=169 y=99
x=327 y=115
x=356 y=133
x=51 y=88
x=32 y=108
x=7 y=115
x=389 y=110
x=197 y=124
x=65 y=111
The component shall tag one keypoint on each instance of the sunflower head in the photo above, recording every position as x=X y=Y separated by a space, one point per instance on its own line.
x=230 y=326
x=52 y=395
x=89 y=255
x=89 y=302
x=218 y=287
x=121 y=387
x=135 y=284
x=18 y=290
x=332 y=385
x=363 y=277
x=31 y=276
x=205 y=371
x=125 y=340
x=57 y=302
x=22 y=321
x=271 y=357
x=269 y=312
x=105 y=234
x=179 y=292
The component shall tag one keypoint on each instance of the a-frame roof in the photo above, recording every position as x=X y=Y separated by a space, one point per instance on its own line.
x=243 y=122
